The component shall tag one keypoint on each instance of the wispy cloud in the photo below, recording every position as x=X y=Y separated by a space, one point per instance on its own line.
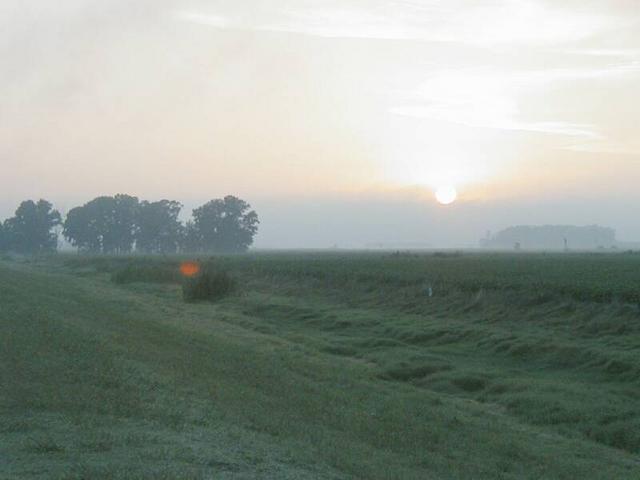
x=469 y=115
x=527 y=22
x=217 y=21
x=605 y=146
x=490 y=98
x=477 y=97
x=627 y=53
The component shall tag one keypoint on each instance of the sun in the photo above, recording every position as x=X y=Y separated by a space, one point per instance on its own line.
x=446 y=195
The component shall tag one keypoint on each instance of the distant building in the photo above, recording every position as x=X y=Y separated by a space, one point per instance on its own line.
x=552 y=237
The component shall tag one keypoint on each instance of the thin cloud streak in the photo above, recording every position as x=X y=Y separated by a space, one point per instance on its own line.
x=216 y=21
x=490 y=99
x=466 y=22
x=555 y=128
x=603 y=52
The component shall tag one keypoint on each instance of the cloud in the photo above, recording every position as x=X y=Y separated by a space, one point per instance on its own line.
x=217 y=21
x=479 y=120
x=627 y=53
x=606 y=147
x=526 y=22
x=491 y=98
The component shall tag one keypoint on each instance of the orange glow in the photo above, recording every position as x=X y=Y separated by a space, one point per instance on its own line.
x=189 y=269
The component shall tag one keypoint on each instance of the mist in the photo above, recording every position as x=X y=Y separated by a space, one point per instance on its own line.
x=336 y=121
x=320 y=239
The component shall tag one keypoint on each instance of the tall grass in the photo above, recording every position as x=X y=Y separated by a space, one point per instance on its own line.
x=146 y=273
x=209 y=284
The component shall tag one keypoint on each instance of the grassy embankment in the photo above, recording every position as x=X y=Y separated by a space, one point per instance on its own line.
x=323 y=366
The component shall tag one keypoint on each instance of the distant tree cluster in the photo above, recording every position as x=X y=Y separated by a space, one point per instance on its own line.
x=122 y=224
x=552 y=237
x=30 y=230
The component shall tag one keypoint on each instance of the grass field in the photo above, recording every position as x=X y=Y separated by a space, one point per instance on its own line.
x=322 y=366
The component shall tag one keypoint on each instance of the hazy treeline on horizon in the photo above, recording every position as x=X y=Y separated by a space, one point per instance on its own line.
x=552 y=237
x=123 y=224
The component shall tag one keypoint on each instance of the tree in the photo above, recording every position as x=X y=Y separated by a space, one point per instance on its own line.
x=553 y=237
x=84 y=229
x=123 y=224
x=158 y=229
x=225 y=225
x=191 y=240
x=30 y=230
x=103 y=225
x=3 y=241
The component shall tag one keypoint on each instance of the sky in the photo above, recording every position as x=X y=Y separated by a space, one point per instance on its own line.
x=337 y=119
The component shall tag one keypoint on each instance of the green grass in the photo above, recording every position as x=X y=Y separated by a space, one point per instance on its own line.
x=209 y=284
x=322 y=366
x=147 y=272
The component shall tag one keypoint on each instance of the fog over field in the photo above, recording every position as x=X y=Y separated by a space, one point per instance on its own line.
x=337 y=121
x=319 y=239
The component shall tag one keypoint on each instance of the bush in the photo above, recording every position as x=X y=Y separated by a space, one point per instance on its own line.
x=208 y=285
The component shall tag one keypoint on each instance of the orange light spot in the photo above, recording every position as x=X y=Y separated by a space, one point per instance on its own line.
x=189 y=269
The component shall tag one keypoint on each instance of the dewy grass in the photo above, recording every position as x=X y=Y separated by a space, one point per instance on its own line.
x=146 y=273
x=328 y=366
x=208 y=284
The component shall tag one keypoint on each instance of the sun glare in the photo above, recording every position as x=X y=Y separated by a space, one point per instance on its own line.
x=446 y=195
x=189 y=269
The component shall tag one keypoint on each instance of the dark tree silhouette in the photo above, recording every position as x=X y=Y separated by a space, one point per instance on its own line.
x=103 y=225
x=224 y=225
x=158 y=228
x=31 y=229
x=82 y=230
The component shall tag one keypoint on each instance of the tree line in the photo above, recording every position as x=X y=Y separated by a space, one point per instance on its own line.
x=552 y=237
x=123 y=224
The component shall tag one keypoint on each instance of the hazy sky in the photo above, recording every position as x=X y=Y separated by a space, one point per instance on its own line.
x=336 y=119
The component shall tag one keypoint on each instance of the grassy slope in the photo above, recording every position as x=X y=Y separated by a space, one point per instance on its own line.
x=298 y=379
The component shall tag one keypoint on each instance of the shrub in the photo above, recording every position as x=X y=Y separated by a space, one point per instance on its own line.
x=209 y=285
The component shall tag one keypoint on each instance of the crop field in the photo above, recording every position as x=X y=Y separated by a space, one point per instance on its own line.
x=322 y=365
